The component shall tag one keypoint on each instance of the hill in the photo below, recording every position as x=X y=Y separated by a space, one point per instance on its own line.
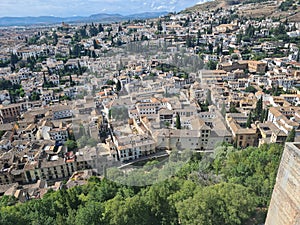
x=211 y=5
x=102 y=17
x=289 y=9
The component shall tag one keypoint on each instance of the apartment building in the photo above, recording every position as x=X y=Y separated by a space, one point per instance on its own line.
x=9 y=113
x=242 y=136
x=285 y=118
x=231 y=66
x=59 y=134
x=183 y=139
x=62 y=112
x=50 y=163
x=257 y=66
x=132 y=147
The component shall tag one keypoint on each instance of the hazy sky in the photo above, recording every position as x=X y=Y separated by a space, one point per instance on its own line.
x=88 y=7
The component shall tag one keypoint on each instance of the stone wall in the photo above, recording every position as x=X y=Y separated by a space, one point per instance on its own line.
x=284 y=207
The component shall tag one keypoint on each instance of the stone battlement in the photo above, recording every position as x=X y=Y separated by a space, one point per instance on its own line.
x=284 y=207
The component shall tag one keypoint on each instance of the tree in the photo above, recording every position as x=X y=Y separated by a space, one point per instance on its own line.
x=93 y=54
x=159 y=26
x=258 y=109
x=218 y=204
x=82 y=32
x=82 y=141
x=110 y=82
x=92 y=142
x=223 y=110
x=45 y=80
x=93 y=30
x=95 y=44
x=90 y=214
x=232 y=108
x=210 y=48
x=228 y=187
x=119 y=86
x=71 y=145
x=109 y=114
x=208 y=97
x=79 y=68
x=178 y=122
x=250 y=89
x=13 y=58
x=264 y=115
x=71 y=80
x=189 y=42
x=291 y=136
x=76 y=37
x=100 y=28
x=55 y=38
x=210 y=29
x=34 y=96
x=119 y=113
x=211 y=65
x=249 y=120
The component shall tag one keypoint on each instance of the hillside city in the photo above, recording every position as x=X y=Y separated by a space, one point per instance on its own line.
x=77 y=99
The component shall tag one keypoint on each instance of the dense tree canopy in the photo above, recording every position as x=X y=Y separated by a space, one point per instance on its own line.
x=228 y=187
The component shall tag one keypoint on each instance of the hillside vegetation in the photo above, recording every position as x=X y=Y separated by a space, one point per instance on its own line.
x=289 y=9
x=229 y=187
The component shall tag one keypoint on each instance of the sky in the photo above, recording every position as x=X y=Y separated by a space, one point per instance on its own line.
x=63 y=8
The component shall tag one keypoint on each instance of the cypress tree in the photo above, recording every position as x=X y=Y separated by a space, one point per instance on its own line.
x=291 y=136
x=223 y=110
x=119 y=86
x=178 y=122
x=258 y=109
x=249 y=120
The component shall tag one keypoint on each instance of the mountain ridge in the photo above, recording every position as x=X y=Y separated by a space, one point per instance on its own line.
x=100 y=17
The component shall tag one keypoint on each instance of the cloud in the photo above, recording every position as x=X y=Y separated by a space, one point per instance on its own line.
x=88 y=7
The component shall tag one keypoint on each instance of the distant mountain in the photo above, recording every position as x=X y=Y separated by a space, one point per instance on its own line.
x=147 y=15
x=102 y=17
x=14 y=21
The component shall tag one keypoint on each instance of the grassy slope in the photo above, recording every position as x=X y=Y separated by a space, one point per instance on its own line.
x=258 y=10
